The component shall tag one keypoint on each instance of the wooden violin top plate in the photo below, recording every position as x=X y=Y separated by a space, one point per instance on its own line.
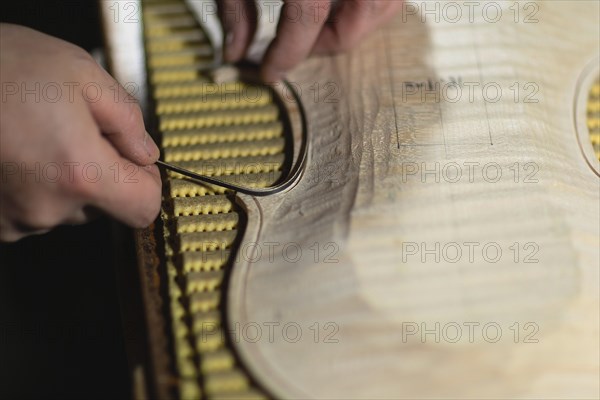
x=447 y=221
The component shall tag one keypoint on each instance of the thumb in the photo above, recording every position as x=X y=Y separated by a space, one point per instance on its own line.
x=120 y=120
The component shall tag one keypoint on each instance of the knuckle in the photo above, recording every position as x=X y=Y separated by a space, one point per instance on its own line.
x=80 y=54
x=34 y=213
x=39 y=218
x=81 y=184
x=80 y=59
x=124 y=95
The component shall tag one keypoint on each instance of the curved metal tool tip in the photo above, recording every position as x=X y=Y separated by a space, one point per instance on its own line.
x=227 y=185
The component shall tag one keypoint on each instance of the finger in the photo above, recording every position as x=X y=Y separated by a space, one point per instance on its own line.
x=18 y=231
x=125 y=191
x=39 y=207
x=299 y=26
x=10 y=235
x=239 y=19
x=353 y=20
x=82 y=215
x=120 y=118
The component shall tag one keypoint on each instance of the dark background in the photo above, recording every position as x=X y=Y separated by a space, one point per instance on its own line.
x=60 y=326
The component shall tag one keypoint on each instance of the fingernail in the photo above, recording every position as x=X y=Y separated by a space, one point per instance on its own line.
x=150 y=146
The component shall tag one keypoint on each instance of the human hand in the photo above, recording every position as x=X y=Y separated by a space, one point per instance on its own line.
x=305 y=27
x=72 y=140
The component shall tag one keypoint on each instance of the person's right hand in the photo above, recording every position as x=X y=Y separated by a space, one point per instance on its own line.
x=64 y=154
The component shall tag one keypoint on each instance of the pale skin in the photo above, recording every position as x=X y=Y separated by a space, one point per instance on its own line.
x=58 y=139
x=306 y=27
x=65 y=157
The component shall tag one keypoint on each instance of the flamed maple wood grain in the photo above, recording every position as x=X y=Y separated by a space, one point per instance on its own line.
x=358 y=193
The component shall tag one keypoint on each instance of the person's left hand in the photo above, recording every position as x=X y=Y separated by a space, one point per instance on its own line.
x=305 y=27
